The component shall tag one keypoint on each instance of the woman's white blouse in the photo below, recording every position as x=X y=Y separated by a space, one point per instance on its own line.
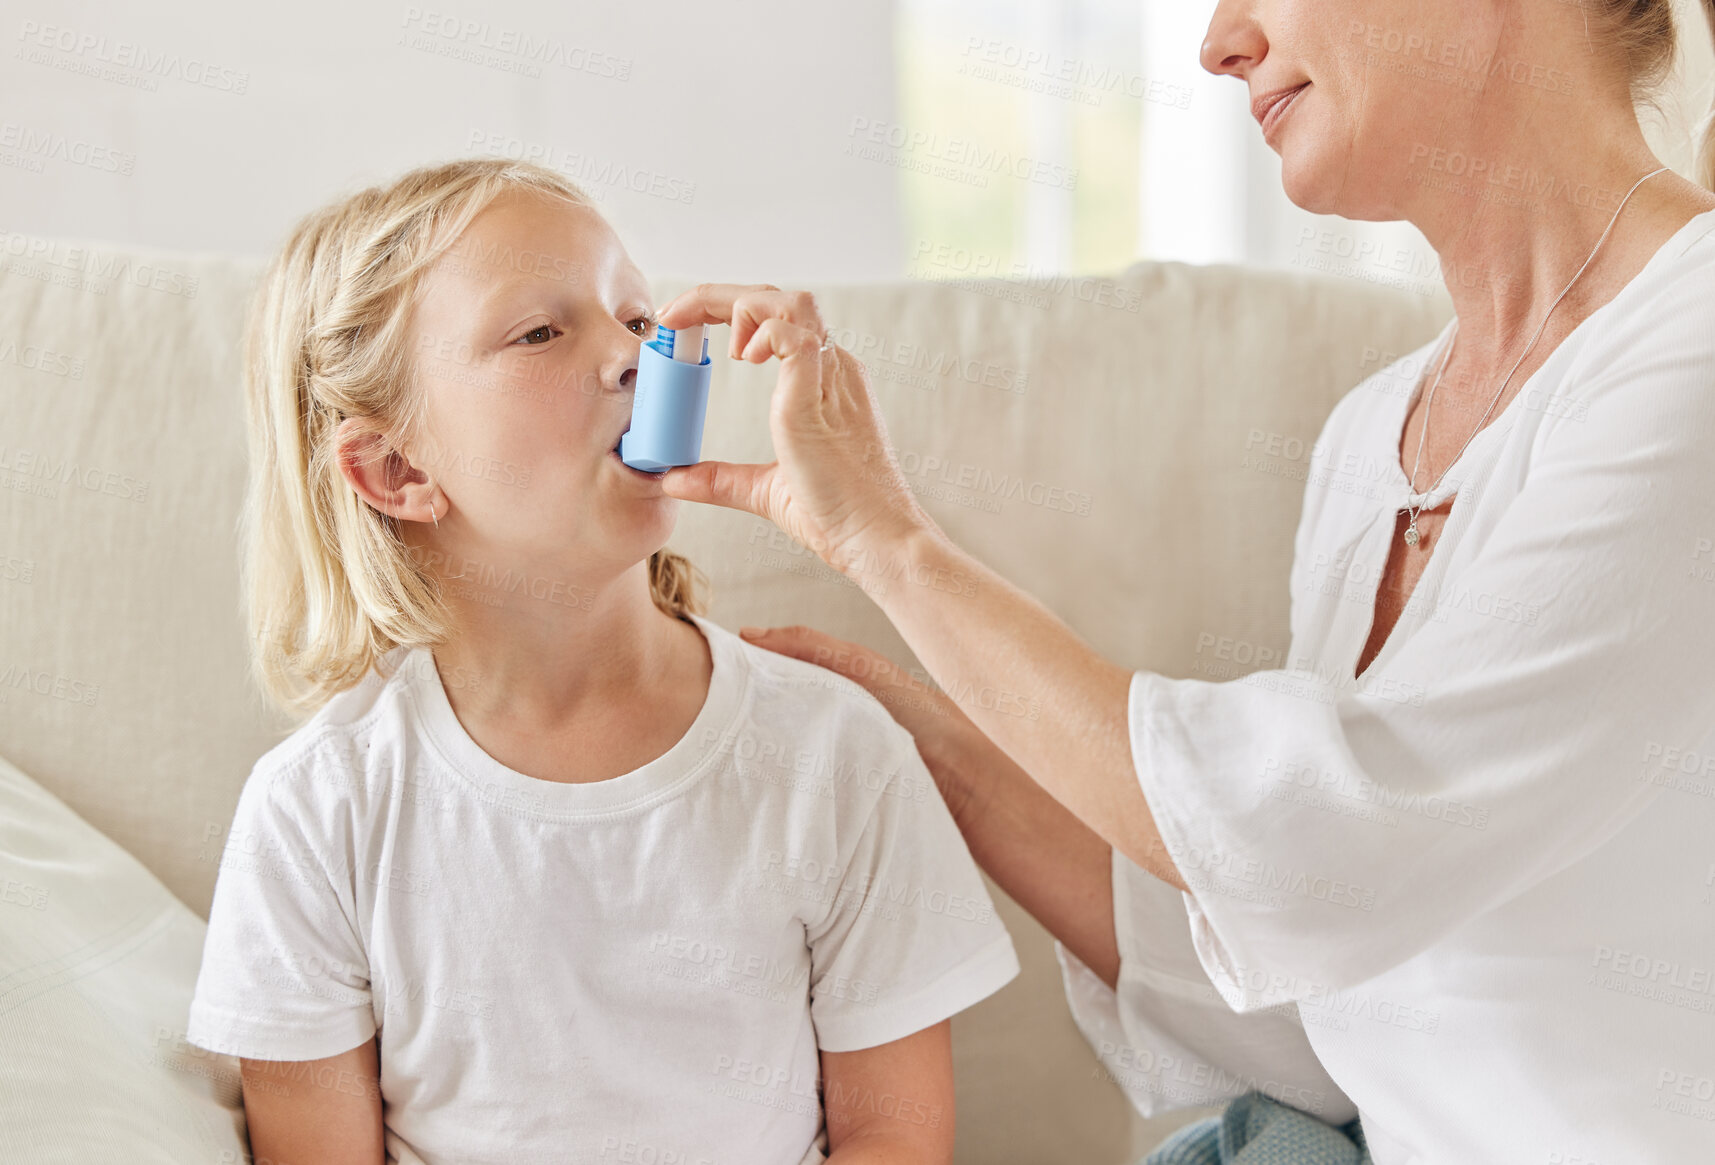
x=1478 y=883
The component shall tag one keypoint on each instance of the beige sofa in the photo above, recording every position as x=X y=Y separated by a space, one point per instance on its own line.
x=1132 y=450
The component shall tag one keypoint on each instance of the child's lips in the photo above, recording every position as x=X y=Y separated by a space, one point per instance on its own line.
x=614 y=453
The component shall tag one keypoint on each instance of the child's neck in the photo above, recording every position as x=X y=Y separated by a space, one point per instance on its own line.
x=574 y=693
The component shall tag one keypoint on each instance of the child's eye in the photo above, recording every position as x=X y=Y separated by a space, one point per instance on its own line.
x=537 y=332
x=648 y=324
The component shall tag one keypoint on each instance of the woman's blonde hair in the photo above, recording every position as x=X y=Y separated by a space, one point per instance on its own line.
x=330 y=586
x=1644 y=35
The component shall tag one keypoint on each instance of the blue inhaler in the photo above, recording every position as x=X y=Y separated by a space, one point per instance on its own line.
x=672 y=395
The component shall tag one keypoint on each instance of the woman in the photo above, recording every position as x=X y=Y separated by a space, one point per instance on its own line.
x=1512 y=964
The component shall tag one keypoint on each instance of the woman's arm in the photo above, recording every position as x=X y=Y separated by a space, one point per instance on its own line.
x=891 y=1104
x=1077 y=748
x=1063 y=874
x=315 y=1112
x=1049 y=862
x=838 y=489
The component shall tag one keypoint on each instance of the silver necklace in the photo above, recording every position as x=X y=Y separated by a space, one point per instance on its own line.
x=1412 y=537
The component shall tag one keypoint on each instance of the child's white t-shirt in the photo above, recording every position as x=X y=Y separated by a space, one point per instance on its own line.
x=634 y=970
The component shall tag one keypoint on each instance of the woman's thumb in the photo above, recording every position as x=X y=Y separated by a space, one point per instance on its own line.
x=797 y=642
x=720 y=483
x=781 y=639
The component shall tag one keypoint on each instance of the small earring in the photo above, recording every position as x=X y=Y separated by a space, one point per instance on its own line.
x=434 y=515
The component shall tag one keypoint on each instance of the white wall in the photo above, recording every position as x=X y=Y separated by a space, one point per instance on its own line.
x=732 y=121
x=738 y=122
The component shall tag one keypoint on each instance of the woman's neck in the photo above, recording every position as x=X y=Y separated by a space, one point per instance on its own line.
x=1511 y=239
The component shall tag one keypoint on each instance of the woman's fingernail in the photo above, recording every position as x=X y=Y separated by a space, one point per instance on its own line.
x=750 y=632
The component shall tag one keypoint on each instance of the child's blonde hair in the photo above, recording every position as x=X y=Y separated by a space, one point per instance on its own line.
x=329 y=584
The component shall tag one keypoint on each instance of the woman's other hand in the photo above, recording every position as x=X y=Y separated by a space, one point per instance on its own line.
x=836 y=486
x=946 y=738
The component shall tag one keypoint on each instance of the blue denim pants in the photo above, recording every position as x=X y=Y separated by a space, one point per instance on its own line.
x=1255 y=1130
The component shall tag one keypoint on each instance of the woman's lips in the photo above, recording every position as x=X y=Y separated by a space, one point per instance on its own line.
x=1270 y=109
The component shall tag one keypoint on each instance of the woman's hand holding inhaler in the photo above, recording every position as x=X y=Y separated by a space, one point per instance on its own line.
x=836 y=485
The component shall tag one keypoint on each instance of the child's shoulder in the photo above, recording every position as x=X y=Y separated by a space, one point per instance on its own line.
x=788 y=679
x=330 y=754
x=799 y=705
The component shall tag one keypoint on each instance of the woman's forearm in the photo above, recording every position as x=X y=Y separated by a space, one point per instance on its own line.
x=999 y=652
x=1049 y=862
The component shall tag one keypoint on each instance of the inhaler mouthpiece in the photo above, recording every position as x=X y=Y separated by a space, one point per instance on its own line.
x=672 y=395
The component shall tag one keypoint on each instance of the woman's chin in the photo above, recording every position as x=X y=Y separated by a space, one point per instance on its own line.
x=1310 y=182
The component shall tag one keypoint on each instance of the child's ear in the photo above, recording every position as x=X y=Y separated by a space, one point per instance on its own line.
x=382 y=476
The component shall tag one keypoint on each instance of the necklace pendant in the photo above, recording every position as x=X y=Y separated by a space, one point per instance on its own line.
x=1411 y=537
